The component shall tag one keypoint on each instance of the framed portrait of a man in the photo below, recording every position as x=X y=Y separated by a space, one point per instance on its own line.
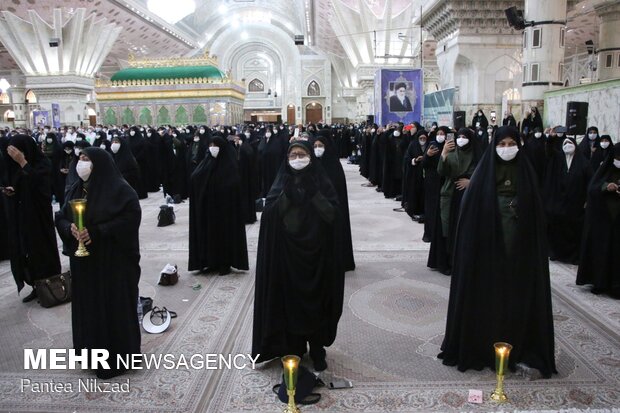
x=401 y=95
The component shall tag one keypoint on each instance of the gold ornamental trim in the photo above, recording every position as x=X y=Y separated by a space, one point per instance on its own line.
x=163 y=82
x=169 y=94
x=204 y=60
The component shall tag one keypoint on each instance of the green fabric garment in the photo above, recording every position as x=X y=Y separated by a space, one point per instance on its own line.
x=457 y=163
x=506 y=189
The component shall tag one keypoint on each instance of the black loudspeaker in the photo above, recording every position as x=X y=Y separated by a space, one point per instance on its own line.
x=515 y=18
x=458 y=119
x=299 y=39
x=576 y=118
x=370 y=119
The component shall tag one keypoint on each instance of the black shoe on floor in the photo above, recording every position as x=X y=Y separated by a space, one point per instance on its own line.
x=398 y=209
x=30 y=297
x=398 y=198
x=224 y=271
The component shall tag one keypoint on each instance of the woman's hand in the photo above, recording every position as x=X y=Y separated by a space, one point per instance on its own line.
x=462 y=184
x=80 y=235
x=17 y=155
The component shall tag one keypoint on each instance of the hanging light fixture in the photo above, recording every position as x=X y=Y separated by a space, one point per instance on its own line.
x=4 y=85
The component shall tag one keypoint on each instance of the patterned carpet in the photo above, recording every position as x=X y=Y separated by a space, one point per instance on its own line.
x=388 y=336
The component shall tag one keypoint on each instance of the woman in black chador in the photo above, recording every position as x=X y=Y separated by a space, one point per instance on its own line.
x=413 y=178
x=125 y=162
x=502 y=294
x=271 y=154
x=246 y=157
x=139 y=150
x=216 y=226
x=28 y=201
x=299 y=277
x=599 y=251
x=565 y=189
x=105 y=284
x=325 y=151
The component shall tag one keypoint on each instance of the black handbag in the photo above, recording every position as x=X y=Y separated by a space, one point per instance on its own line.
x=166 y=216
x=54 y=290
x=306 y=382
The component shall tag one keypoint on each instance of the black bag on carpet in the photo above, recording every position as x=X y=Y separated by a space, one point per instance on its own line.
x=166 y=216
x=306 y=382
x=54 y=290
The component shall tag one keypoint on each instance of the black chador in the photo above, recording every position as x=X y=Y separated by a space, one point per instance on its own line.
x=33 y=249
x=393 y=163
x=332 y=166
x=105 y=284
x=139 y=149
x=566 y=185
x=271 y=154
x=413 y=178
x=154 y=167
x=126 y=163
x=299 y=277
x=598 y=264
x=365 y=148
x=246 y=157
x=503 y=294
x=196 y=150
x=216 y=227
x=432 y=186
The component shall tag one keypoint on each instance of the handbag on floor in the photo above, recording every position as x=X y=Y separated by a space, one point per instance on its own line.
x=169 y=275
x=54 y=290
x=166 y=216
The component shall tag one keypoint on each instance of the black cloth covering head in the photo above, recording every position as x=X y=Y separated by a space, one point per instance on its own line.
x=216 y=225
x=299 y=277
x=500 y=295
x=105 y=284
x=332 y=166
x=126 y=164
x=33 y=249
x=598 y=264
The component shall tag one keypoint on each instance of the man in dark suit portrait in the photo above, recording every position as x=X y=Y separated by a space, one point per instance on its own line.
x=399 y=102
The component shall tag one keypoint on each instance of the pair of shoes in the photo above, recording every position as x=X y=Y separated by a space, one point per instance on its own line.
x=224 y=271
x=30 y=296
x=398 y=209
x=379 y=189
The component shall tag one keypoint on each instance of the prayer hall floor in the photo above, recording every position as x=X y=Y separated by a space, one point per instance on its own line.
x=388 y=338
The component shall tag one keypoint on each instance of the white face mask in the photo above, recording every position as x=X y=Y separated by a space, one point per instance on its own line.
x=299 y=163
x=568 y=148
x=247 y=134
x=319 y=152
x=68 y=151
x=372 y=131
x=202 y=131
x=604 y=144
x=50 y=140
x=149 y=135
x=561 y=134
x=617 y=163
x=537 y=135
x=115 y=147
x=196 y=138
x=102 y=146
x=441 y=138
x=480 y=133
x=83 y=169
x=462 y=142
x=268 y=135
x=77 y=151
x=275 y=131
x=507 y=153
x=397 y=133
x=79 y=138
x=489 y=131
x=592 y=136
x=215 y=150
x=422 y=142
x=132 y=133
x=186 y=130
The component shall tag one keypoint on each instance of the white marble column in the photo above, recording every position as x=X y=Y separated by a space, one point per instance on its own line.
x=609 y=40
x=543 y=49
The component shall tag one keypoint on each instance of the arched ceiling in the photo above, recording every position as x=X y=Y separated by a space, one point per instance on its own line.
x=348 y=32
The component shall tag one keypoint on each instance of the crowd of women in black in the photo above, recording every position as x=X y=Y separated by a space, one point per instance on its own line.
x=496 y=205
x=295 y=174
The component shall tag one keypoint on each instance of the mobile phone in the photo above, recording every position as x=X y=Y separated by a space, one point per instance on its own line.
x=450 y=137
x=340 y=384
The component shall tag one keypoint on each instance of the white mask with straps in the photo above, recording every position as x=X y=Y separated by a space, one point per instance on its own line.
x=83 y=169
